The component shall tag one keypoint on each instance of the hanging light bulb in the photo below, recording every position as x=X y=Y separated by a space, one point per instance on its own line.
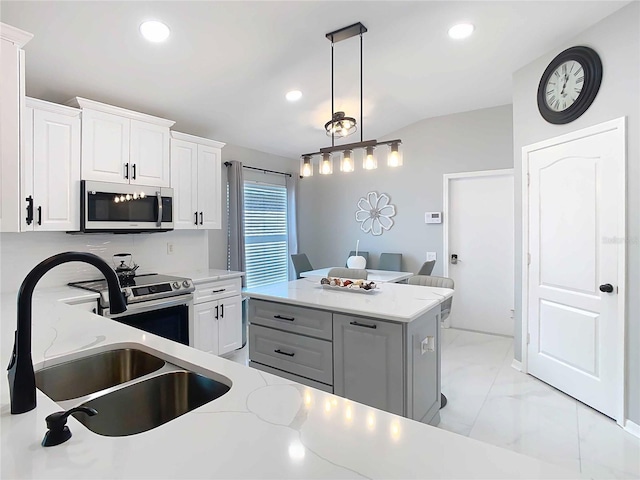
x=142 y=195
x=122 y=198
x=326 y=164
x=117 y=199
x=128 y=197
x=346 y=165
x=135 y=195
x=306 y=168
x=369 y=162
x=395 y=155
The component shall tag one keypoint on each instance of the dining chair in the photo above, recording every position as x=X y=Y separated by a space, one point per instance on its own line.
x=362 y=254
x=342 y=272
x=390 y=262
x=445 y=307
x=426 y=268
x=300 y=263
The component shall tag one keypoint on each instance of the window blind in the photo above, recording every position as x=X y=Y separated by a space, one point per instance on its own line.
x=265 y=234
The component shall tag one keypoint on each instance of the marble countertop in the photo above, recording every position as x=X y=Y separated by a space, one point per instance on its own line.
x=389 y=301
x=264 y=427
x=207 y=275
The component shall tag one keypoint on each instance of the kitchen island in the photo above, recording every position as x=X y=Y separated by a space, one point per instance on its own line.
x=264 y=427
x=380 y=347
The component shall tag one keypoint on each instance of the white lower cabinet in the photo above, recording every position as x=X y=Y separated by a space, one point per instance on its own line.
x=218 y=318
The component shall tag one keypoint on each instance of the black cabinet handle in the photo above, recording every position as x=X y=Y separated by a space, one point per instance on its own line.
x=606 y=288
x=358 y=324
x=126 y=170
x=277 y=350
x=218 y=291
x=196 y=221
x=280 y=317
x=133 y=168
x=201 y=218
x=222 y=310
x=39 y=215
x=217 y=316
x=29 y=200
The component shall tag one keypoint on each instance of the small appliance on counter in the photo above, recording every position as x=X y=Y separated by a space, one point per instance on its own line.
x=158 y=304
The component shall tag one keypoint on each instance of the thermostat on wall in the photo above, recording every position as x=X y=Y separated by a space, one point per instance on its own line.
x=433 y=217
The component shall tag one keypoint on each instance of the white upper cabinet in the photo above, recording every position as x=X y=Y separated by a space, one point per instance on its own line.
x=123 y=146
x=196 y=170
x=11 y=110
x=51 y=167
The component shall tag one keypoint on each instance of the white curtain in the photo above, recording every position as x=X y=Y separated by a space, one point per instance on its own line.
x=236 y=218
x=292 y=219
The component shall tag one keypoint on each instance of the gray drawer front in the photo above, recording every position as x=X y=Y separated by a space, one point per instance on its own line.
x=304 y=356
x=306 y=321
x=291 y=376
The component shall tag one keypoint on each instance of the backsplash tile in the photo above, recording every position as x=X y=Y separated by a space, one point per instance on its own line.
x=20 y=252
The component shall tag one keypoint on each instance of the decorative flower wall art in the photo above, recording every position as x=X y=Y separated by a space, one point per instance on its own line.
x=374 y=213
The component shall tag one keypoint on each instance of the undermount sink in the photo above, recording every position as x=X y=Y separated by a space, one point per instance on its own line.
x=150 y=403
x=91 y=374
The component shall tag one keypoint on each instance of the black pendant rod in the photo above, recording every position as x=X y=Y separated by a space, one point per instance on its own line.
x=264 y=170
x=333 y=125
x=361 y=121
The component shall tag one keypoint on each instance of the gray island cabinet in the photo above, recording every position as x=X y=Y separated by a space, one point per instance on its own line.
x=352 y=344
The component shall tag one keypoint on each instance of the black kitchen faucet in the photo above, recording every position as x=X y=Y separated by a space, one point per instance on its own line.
x=22 y=381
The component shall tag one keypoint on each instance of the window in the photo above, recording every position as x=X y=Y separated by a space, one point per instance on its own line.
x=265 y=234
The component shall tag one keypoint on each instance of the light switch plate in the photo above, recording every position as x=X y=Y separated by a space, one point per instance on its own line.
x=431 y=256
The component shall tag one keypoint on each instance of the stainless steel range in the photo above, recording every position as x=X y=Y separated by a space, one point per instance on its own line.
x=159 y=304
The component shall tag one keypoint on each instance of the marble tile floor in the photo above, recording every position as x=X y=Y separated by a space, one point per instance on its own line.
x=490 y=401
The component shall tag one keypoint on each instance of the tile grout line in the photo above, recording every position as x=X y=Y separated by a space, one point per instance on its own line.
x=578 y=430
x=489 y=391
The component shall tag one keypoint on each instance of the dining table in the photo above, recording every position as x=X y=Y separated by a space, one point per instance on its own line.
x=379 y=276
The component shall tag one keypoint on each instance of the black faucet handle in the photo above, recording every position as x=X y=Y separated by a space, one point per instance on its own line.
x=57 y=424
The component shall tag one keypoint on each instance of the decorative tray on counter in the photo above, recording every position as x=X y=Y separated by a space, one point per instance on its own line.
x=348 y=285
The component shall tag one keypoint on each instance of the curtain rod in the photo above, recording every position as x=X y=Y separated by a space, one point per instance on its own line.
x=227 y=164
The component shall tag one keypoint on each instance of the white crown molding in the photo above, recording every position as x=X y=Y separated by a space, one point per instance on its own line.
x=52 y=107
x=193 y=139
x=14 y=35
x=123 y=112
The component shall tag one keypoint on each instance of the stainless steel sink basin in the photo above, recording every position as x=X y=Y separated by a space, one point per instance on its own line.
x=87 y=375
x=150 y=403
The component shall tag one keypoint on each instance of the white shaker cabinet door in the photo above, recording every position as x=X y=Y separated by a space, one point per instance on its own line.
x=206 y=327
x=149 y=158
x=105 y=147
x=184 y=181
x=56 y=171
x=229 y=324
x=368 y=362
x=209 y=187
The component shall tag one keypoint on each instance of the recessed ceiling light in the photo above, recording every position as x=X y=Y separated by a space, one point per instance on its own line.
x=294 y=95
x=154 y=31
x=460 y=31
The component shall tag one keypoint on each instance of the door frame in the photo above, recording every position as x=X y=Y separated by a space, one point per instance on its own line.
x=446 y=179
x=618 y=124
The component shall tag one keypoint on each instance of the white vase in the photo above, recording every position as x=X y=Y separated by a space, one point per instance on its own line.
x=357 y=262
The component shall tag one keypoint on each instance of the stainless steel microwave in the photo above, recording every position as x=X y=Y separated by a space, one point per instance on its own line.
x=122 y=208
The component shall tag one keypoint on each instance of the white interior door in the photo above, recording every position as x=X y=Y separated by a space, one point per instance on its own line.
x=575 y=214
x=479 y=226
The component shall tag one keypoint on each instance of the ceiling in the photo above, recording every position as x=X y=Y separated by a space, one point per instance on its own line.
x=225 y=69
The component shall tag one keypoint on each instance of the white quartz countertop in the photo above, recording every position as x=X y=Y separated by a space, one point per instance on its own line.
x=207 y=275
x=389 y=301
x=264 y=427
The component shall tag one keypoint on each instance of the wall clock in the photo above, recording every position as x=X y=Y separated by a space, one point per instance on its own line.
x=569 y=85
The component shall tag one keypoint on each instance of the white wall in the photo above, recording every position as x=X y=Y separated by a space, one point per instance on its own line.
x=617 y=41
x=20 y=252
x=470 y=141
x=252 y=158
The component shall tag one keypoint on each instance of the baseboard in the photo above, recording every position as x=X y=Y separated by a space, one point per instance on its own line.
x=517 y=364
x=632 y=428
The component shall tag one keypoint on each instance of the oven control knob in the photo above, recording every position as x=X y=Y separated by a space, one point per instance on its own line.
x=186 y=284
x=176 y=285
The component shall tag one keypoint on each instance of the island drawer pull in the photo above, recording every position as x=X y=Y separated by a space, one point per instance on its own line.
x=277 y=350
x=280 y=317
x=219 y=290
x=358 y=324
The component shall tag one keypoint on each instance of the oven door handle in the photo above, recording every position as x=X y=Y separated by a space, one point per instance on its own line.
x=149 y=306
x=159 y=197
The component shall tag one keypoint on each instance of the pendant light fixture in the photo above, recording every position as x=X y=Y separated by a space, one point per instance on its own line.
x=341 y=126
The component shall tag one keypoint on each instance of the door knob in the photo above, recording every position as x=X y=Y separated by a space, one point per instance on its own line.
x=606 y=288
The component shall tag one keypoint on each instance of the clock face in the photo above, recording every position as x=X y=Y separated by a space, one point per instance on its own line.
x=564 y=86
